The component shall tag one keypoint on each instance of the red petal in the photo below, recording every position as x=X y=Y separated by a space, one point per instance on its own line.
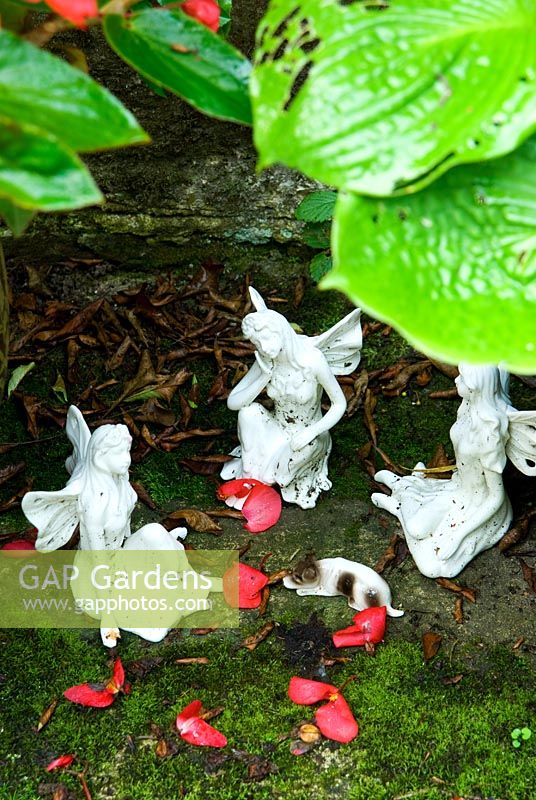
x=197 y=731
x=190 y=711
x=60 y=761
x=306 y=692
x=336 y=721
x=87 y=696
x=207 y=12
x=16 y=547
x=251 y=582
x=262 y=508
x=76 y=11
x=369 y=626
x=239 y=487
x=119 y=673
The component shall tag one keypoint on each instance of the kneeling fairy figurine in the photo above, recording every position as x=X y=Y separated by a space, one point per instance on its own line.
x=330 y=577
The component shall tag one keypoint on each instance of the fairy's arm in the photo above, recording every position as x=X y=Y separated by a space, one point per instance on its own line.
x=329 y=384
x=251 y=385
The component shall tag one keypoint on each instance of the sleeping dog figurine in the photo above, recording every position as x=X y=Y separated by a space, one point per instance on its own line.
x=330 y=577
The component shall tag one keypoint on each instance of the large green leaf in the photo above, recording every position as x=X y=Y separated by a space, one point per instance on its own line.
x=41 y=90
x=37 y=172
x=453 y=267
x=371 y=97
x=180 y=54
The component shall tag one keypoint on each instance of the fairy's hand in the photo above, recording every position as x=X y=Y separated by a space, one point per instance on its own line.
x=266 y=365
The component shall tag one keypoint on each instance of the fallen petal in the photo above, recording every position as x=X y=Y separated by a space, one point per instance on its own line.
x=369 y=626
x=336 y=721
x=251 y=582
x=118 y=675
x=191 y=710
x=306 y=692
x=18 y=548
x=262 y=508
x=60 y=761
x=239 y=487
x=86 y=695
x=197 y=731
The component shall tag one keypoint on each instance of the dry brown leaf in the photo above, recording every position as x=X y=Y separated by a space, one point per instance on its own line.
x=447 y=394
x=516 y=533
x=518 y=642
x=529 y=575
x=6 y=473
x=397 y=385
x=431 y=642
x=452 y=681
x=166 y=748
x=277 y=577
x=192 y=660
x=143 y=495
x=388 y=556
x=209 y=464
x=359 y=388
x=172 y=441
x=46 y=716
x=469 y=594
x=201 y=631
x=369 y=407
x=253 y=641
x=197 y=520
x=458 y=610
x=213 y=712
x=265 y=596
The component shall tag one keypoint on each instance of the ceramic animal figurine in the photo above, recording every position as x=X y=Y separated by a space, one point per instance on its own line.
x=330 y=577
x=290 y=445
x=448 y=522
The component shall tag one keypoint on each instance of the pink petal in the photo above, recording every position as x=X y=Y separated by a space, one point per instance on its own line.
x=306 y=692
x=76 y=11
x=251 y=582
x=239 y=487
x=369 y=626
x=262 y=508
x=336 y=721
x=119 y=673
x=60 y=761
x=18 y=548
x=350 y=637
x=207 y=12
x=191 y=710
x=197 y=731
x=86 y=695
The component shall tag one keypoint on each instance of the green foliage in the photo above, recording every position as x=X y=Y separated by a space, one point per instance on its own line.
x=463 y=245
x=320 y=265
x=17 y=375
x=520 y=735
x=317 y=207
x=179 y=54
x=380 y=99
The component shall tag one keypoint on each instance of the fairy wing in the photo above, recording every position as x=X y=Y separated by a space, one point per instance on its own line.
x=521 y=446
x=79 y=435
x=341 y=344
x=54 y=514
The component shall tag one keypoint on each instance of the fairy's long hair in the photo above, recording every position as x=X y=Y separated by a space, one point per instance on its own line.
x=488 y=405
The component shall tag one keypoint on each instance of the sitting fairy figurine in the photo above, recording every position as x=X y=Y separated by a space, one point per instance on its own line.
x=448 y=522
x=98 y=495
x=290 y=445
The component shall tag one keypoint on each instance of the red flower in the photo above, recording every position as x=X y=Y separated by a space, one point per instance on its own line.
x=195 y=730
x=369 y=626
x=262 y=506
x=97 y=695
x=335 y=719
x=207 y=12
x=251 y=582
x=75 y=11
x=14 y=548
x=60 y=761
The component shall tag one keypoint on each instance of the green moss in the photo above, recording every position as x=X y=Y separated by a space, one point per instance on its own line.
x=414 y=730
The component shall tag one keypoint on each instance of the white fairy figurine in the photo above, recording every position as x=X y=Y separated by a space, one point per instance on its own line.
x=290 y=445
x=98 y=495
x=448 y=522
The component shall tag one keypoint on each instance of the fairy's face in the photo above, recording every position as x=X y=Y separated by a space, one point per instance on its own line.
x=114 y=456
x=463 y=390
x=266 y=338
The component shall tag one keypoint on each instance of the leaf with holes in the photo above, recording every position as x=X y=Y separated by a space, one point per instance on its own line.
x=453 y=267
x=373 y=99
x=179 y=54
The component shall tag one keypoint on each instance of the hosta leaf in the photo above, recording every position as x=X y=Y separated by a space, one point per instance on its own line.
x=41 y=90
x=180 y=54
x=38 y=173
x=370 y=99
x=453 y=267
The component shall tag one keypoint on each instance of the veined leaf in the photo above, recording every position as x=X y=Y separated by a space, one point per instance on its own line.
x=38 y=173
x=317 y=207
x=41 y=90
x=180 y=54
x=17 y=375
x=15 y=217
x=377 y=100
x=453 y=267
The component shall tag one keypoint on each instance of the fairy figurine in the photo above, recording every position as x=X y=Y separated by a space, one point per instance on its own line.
x=290 y=444
x=448 y=522
x=98 y=495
